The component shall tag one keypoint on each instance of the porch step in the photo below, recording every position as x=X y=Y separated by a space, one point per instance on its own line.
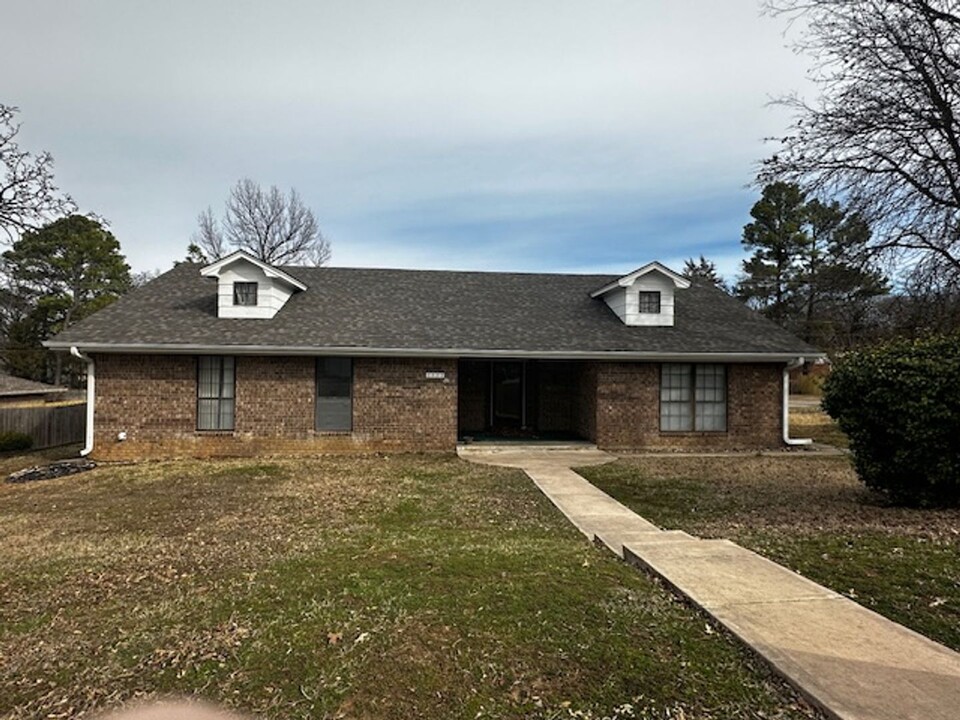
x=492 y=446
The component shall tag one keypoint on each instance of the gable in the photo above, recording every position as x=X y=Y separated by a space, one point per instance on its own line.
x=632 y=297
x=250 y=288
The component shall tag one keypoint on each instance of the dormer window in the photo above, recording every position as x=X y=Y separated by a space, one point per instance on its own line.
x=245 y=293
x=645 y=297
x=649 y=302
x=247 y=287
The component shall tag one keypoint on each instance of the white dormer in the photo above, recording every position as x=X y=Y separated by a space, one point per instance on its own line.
x=645 y=296
x=250 y=288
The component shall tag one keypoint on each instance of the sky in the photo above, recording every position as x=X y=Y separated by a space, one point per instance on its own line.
x=556 y=136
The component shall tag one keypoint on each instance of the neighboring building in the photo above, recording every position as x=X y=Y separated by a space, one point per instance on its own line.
x=241 y=358
x=16 y=391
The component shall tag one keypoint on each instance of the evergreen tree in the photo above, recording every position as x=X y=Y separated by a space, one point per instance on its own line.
x=810 y=271
x=60 y=273
x=776 y=236
x=703 y=269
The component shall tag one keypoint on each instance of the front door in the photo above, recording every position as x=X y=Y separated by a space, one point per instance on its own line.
x=506 y=394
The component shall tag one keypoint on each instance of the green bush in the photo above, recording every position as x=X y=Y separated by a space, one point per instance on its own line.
x=14 y=441
x=900 y=406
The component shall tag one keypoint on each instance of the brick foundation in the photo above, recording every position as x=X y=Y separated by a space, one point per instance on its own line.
x=152 y=398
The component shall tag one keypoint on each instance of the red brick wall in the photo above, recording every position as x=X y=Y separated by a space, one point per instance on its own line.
x=153 y=399
x=275 y=397
x=628 y=409
x=395 y=407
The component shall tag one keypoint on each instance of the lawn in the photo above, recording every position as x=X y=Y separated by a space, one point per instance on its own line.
x=402 y=587
x=812 y=515
x=812 y=422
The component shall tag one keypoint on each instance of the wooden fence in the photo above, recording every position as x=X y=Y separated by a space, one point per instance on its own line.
x=49 y=426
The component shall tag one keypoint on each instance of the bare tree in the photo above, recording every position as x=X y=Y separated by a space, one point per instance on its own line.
x=276 y=228
x=884 y=134
x=28 y=196
x=142 y=277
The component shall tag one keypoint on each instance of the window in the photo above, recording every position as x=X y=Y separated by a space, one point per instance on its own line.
x=245 y=293
x=215 y=393
x=650 y=302
x=693 y=397
x=334 y=394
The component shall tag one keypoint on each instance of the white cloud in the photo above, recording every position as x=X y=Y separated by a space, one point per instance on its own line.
x=154 y=109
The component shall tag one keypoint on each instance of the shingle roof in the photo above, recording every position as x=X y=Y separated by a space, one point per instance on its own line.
x=429 y=310
x=11 y=386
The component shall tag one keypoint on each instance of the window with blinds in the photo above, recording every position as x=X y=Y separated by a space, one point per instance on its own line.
x=215 y=393
x=693 y=397
x=245 y=293
x=334 y=394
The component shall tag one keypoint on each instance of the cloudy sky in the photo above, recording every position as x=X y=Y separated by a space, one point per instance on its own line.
x=520 y=135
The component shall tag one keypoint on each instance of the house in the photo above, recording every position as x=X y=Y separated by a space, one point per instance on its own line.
x=239 y=357
x=16 y=391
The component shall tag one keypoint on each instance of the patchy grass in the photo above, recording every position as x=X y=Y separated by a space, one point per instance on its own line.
x=810 y=514
x=356 y=588
x=813 y=422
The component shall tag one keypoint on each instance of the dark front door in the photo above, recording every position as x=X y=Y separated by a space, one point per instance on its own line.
x=507 y=394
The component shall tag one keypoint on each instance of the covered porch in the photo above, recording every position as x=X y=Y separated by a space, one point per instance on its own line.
x=526 y=399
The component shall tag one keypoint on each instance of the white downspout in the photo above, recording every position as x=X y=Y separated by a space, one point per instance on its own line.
x=91 y=395
x=786 y=405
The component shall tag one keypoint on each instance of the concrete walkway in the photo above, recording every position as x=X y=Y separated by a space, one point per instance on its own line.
x=849 y=661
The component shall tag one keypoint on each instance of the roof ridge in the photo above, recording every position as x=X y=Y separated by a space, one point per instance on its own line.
x=446 y=271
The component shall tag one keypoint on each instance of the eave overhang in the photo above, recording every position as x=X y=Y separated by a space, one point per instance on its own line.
x=469 y=353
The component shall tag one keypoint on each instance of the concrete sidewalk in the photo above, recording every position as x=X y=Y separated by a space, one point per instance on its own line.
x=849 y=661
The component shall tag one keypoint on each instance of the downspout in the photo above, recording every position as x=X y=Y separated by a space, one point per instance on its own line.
x=793 y=364
x=91 y=395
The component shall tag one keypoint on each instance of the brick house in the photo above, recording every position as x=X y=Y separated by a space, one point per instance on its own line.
x=242 y=358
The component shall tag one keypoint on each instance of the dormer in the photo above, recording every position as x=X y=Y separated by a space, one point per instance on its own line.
x=250 y=288
x=645 y=296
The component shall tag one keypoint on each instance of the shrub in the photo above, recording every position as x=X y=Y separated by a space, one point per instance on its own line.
x=14 y=441
x=900 y=406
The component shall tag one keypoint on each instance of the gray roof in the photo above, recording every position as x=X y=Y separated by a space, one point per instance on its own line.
x=11 y=386
x=469 y=313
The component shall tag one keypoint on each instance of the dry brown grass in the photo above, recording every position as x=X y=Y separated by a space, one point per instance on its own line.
x=341 y=587
x=812 y=422
x=794 y=493
x=812 y=515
